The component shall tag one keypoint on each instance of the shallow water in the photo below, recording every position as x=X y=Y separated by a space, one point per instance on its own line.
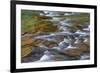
x=66 y=30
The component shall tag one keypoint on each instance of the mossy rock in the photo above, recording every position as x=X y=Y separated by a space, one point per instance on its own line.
x=44 y=27
x=37 y=42
x=50 y=43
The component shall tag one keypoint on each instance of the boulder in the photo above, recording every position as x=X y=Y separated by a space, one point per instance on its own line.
x=26 y=41
x=83 y=47
x=25 y=51
x=73 y=52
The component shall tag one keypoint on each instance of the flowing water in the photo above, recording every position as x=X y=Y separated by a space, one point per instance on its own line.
x=69 y=31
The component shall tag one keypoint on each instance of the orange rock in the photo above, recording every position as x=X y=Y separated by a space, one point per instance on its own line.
x=26 y=41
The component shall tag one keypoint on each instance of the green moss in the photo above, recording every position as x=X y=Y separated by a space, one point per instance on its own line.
x=32 y=21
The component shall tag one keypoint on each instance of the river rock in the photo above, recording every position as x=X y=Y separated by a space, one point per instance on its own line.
x=26 y=41
x=35 y=55
x=73 y=52
x=25 y=51
x=83 y=47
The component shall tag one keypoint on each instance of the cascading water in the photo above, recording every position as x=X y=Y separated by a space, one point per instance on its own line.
x=66 y=30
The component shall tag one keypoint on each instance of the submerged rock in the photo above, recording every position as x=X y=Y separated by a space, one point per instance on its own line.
x=48 y=41
x=35 y=55
x=47 y=57
x=85 y=56
x=64 y=44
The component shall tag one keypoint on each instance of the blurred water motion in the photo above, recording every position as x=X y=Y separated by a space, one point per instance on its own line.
x=55 y=36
